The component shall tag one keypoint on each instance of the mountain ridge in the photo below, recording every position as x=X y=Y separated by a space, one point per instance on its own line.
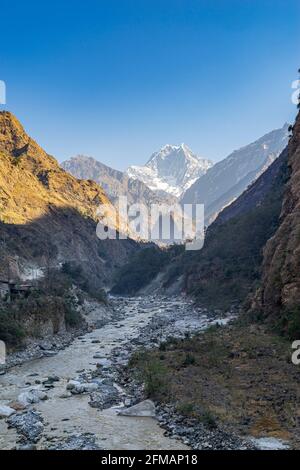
x=172 y=169
x=114 y=182
x=278 y=297
x=229 y=264
x=227 y=179
x=46 y=212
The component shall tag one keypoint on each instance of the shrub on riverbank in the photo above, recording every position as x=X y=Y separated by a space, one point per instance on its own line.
x=49 y=309
x=239 y=375
x=11 y=331
x=152 y=372
x=74 y=274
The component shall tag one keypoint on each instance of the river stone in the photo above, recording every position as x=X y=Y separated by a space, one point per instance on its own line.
x=76 y=442
x=78 y=389
x=85 y=388
x=15 y=405
x=6 y=411
x=28 y=424
x=49 y=353
x=45 y=345
x=72 y=384
x=144 y=409
x=52 y=378
x=31 y=397
x=106 y=396
x=90 y=387
x=98 y=382
x=26 y=447
x=269 y=443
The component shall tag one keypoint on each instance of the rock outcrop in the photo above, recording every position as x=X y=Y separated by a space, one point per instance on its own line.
x=46 y=214
x=279 y=296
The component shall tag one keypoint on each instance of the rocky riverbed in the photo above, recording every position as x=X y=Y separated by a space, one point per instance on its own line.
x=80 y=397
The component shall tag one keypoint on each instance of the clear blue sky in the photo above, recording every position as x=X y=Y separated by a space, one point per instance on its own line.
x=119 y=79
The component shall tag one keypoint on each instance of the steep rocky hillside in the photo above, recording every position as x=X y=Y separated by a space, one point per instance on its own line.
x=32 y=181
x=116 y=184
x=47 y=215
x=279 y=296
x=228 y=268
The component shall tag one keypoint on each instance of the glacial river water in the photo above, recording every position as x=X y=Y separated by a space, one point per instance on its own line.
x=64 y=416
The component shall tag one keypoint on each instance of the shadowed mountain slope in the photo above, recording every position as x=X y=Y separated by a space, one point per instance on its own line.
x=46 y=212
x=229 y=178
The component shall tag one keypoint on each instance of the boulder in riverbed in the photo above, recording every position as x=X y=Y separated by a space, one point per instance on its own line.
x=31 y=396
x=15 y=405
x=90 y=387
x=78 y=388
x=145 y=408
x=29 y=425
x=106 y=396
x=76 y=442
x=72 y=384
x=6 y=411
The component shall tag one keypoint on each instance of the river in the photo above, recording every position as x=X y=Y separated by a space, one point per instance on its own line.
x=73 y=415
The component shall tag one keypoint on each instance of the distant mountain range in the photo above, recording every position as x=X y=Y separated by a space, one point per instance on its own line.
x=223 y=273
x=114 y=182
x=172 y=169
x=176 y=174
x=229 y=178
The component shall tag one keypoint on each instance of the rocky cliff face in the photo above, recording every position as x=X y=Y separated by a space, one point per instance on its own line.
x=47 y=213
x=279 y=296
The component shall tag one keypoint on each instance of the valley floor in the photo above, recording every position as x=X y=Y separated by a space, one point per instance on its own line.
x=209 y=389
x=61 y=419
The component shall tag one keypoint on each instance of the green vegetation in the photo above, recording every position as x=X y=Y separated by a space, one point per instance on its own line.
x=229 y=266
x=233 y=372
x=189 y=360
x=75 y=274
x=11 y=331
x=142 y=269
x=152 y=372
x=52 y=302
x=289 y=323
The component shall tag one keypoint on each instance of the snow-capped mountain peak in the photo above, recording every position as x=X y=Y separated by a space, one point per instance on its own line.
x=173 y=169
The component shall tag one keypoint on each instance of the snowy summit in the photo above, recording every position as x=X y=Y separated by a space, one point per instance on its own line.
x=173 y=169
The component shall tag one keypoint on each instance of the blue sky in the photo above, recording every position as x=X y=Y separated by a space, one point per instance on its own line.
x=118 y=79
